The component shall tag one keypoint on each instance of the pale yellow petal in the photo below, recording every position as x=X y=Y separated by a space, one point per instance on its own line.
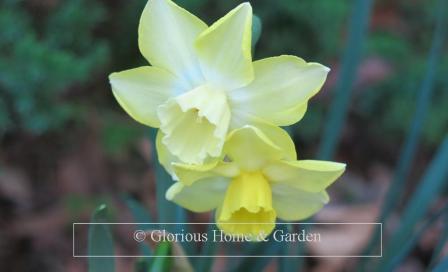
x=141 y=90
x=166 y=159
x=190 y=173
x=289 y=116
x=280 y=86
x=167 y=34
x=292 y=204
x=276 y=134
x=250 y=149
x=202 y=196
x=224 y=49
x=306 y=175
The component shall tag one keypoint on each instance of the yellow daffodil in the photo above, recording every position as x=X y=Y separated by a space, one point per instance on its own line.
x=256 y=182
x=203 y=83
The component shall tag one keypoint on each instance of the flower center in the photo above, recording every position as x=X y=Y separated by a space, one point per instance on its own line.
x=195 y=124
x=247 y=207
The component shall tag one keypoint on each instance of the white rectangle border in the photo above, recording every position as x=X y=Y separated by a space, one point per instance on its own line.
x=230 y=256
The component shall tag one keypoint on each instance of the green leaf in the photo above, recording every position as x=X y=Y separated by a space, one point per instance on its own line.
x=100 y=242
x=410 y=243
x=256 y=30
x=260 y=249
x=162 y=264
x=293 y=249
x=209 y=248
x=430 y=187
x=424 y=100
x=440 y=245
x=352 y=55
x=142 y=265
x=141 y=215
x=442 y=266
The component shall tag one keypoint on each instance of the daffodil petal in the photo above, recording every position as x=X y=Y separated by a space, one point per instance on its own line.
x=289 y=116
x=224 y=49
x=250 y=149
x=195 y=124
x=292 y=204
x=280 y=138
x=248 y=200
x=166 y=37
x=306 y=175
x=190 y=173
x=274 y=133
x=202 y=196
x=280 y=86
x=141 y=90
x=166 y=159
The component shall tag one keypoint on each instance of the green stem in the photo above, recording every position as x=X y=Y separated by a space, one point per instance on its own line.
x=352 y=55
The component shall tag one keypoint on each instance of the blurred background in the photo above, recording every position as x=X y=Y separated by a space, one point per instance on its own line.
x=66 y=146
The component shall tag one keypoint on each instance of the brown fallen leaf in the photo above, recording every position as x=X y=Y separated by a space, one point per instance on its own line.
x=342 y=240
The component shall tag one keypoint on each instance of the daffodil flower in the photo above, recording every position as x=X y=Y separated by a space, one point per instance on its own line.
x=203 y=83
x=256 y=182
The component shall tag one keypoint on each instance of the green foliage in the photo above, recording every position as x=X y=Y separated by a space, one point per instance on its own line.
x=432 y=184
x=311 y=29
x=77 y=204
x=338 y=109
x=442 y=266
x=256 y=30
x=141 y=215
x=40 y=57
x=209 y=249
x=434 y=178
x=437 y=253
x=398 y=93
x=399 y=98
x=161 y=263
x=100 y=242
x=406 y=247
x=117 y=136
